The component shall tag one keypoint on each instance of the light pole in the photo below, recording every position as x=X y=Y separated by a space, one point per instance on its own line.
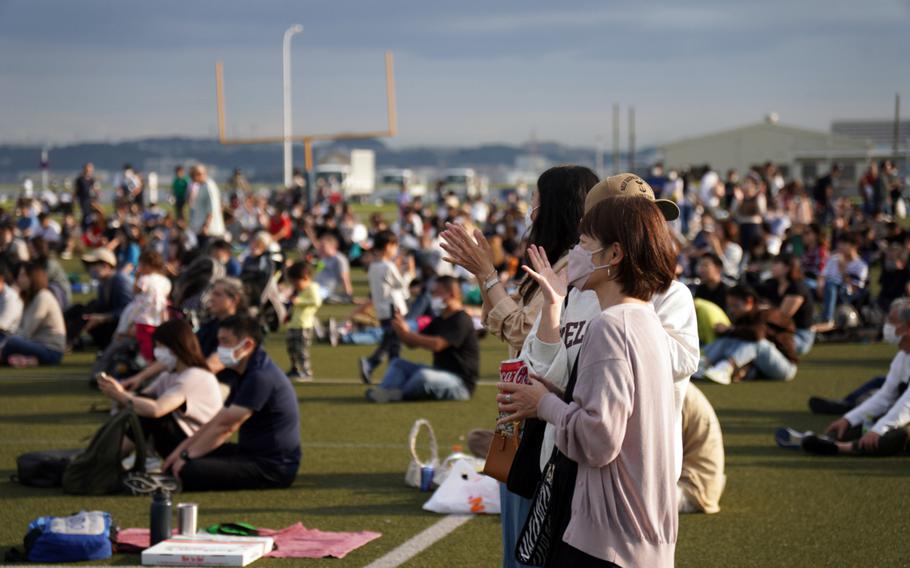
x=288 y=167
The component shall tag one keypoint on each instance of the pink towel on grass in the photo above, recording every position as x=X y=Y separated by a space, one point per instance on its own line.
x=295 y=541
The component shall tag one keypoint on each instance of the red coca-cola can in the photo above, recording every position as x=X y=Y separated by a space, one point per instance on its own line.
x=512 y=371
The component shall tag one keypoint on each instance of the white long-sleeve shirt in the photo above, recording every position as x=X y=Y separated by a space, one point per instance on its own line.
x=890 y=406
x=11 y=308
x=388 y=288
x=553 y=361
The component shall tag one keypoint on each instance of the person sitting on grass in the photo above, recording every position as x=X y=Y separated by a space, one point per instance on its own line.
x=879 y=426
x=10 y=302
x=305 y=302
x=843 y=279
x=181 y=399
x=759 y=345
x=703 y=480
x=262 y=406
x=334 y=280
x=225 y=300
x=99 y=317
x=41 y=337
x=456 y=356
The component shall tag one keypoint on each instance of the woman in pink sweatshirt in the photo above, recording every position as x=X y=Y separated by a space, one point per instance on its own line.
x=614 y=500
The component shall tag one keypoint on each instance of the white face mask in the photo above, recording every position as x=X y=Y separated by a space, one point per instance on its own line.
x=438 y=305
x=528 y=217
x=889 y=334
x=228 y=355
x=166 y=357
x=581 y=266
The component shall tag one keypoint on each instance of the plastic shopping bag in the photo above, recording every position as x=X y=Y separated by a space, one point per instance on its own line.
x=465 y=491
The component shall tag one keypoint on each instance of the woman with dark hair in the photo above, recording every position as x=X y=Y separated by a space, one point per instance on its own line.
x=787 y=290
x=41 y=338
x=181 y=399
x=553 y=216
x=613 y=499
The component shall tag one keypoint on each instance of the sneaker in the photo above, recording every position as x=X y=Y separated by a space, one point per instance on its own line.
x=366 y=371
x=789 y=439
x=721 y=373
x=820 y=446
x=819 y=405
x=304 y=378
x=379 y=394
x=333 y=332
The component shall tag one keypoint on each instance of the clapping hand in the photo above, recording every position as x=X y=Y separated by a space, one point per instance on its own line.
x=471 y=253
x=553 y=285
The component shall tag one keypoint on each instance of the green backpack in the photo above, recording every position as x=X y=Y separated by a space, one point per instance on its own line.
x=98 y=470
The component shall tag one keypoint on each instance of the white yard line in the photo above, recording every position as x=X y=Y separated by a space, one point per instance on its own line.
x=420 y=542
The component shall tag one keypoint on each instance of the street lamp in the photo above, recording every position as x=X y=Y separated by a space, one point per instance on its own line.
x=288 y=167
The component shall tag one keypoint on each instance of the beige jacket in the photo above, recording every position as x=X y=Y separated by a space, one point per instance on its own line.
x=703 y=480
x=510 y=319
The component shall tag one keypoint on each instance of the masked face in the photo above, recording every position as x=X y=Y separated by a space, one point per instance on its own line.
x=581 y=266
x=889 y=333
x=438 y=305
x=529 y=216
x=230 y=356
x=166 y=357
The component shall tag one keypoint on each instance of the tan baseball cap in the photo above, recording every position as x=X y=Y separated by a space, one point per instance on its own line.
x=629 y=185
x=100 y=255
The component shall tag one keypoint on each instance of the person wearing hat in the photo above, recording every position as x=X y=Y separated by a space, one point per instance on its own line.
x=99 y=317
x=552 y=353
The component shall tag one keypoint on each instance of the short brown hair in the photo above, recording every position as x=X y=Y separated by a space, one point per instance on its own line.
x=37 y=278
x=648 y=265
x=152 y=260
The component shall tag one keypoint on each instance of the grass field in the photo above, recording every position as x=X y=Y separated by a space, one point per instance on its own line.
x=780 y=508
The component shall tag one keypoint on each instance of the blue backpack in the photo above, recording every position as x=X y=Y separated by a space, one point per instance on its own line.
x=83 y=536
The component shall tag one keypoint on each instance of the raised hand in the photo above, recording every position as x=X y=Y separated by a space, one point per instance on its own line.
x=552 y=284
x=471 y=253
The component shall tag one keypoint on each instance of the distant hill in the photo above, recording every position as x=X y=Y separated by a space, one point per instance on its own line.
x=263 y=164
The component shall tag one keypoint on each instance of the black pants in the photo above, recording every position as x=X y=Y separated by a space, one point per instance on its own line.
x=101 y=334
x=226 y=468
x=164 y=432
x=566 y=555
x=892 y=442
x=390 y=344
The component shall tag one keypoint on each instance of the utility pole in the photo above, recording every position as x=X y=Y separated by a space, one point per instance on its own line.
x=599 y=157
x=286 y=60
x=897 y=123
x=631 y=139
x=615 y=138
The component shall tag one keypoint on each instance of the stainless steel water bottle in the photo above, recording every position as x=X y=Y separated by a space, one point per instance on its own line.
x=160 y=521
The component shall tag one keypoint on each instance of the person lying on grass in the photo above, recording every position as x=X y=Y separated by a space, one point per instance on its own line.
x=262 y=406
x=879 y=426
x=183 y=397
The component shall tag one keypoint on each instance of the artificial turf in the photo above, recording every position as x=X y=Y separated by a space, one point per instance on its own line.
x=780 y=508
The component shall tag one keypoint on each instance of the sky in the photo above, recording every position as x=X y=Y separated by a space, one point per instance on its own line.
x=467 y=72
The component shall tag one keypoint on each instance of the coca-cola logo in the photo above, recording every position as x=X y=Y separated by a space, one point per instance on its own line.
x=519 y=375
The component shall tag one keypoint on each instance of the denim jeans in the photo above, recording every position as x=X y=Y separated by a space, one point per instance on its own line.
x=767 y=360
x=804 y=339
x=420 y=382
x=514 y=511
x=830 y=299
x=15 y=345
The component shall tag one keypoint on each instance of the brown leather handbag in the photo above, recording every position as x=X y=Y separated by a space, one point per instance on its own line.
x=502 y=453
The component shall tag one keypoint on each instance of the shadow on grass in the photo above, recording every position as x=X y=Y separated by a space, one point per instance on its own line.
x=83 y=417
x=884 y=467
x=858 y=362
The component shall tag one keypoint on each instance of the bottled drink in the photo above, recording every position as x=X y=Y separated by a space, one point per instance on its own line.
x=160 y=521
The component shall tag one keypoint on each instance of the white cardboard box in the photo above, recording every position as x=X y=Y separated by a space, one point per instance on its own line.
x=208 y=550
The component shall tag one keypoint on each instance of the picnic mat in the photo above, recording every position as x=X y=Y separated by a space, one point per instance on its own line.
x=295 y=541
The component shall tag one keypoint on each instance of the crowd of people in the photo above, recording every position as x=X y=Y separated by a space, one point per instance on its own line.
x=613 y=292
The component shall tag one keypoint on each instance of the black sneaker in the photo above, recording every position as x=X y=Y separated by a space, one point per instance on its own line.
x=819 y=405
x=366 y=371
x=819 y=446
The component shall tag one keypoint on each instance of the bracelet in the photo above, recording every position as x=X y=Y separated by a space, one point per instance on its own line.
x=491 y=282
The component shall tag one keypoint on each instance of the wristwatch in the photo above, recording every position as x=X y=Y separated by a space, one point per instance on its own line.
x=185 y=456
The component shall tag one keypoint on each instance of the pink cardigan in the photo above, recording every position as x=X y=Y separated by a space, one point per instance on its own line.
x=619 y=428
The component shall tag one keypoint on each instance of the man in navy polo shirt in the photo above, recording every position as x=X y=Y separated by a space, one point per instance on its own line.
x=262 y=406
